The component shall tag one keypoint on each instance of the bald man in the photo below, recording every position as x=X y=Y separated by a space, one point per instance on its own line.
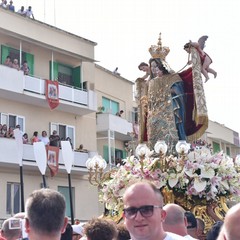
x=175 y=220
x=230 y=230
x=143 y=213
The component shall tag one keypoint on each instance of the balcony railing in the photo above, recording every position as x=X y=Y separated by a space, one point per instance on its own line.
x=9 y=156
x=23 y=86
x=119 y=125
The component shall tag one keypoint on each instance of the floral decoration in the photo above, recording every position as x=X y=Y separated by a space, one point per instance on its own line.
x=197 y=174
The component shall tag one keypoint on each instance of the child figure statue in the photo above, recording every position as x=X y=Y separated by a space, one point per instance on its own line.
x=205 y=59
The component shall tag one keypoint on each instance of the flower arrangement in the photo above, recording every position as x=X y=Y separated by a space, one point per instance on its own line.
x=194 y=172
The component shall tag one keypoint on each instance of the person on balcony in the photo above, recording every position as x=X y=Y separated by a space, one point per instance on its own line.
x=25 y=68
x=35 y=137
x=54 y=139
x=119 y=114
x=25 y=138
x=21 y=11
x=10 y=6
x=8 y=62
x=44 y=138
x=15 y=64
x=4 y=130
x=29 y=12
x=10 y=133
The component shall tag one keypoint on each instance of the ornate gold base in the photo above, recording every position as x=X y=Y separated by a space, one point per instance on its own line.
x=208 y=211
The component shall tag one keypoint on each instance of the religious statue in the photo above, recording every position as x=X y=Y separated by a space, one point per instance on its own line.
x=172 y=105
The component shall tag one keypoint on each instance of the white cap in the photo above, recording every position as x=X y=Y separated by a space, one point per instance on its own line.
x=78 y=229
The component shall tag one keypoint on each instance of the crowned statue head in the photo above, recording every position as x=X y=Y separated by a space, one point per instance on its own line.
x=159 y=54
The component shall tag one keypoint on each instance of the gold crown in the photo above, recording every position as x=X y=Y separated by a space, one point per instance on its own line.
x=157 y=51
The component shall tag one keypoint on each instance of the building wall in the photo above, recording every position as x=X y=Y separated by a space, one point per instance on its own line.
x=39 y=119
x=115 y=88
x=84 y=192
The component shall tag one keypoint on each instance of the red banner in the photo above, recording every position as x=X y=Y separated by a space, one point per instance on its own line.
x=52 y=159
x=52 y=93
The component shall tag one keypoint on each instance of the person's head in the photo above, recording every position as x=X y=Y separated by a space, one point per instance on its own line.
x=18 y=126
x=214 y=231
x=44 y=133
x=25 y=135
x=15 y=61
x=121 y=112
x=35 y=134
x=22 y=8
x=77 y=231
x=68 y=233
x=54 y=132
x=45 y=214
x=4 y=127
x=191 y=224
x=157 y=68
x=29 y=8
x=143 y=67
x=187 y=47
x=143 y=216
x=200 y=227
x=231 y=226
x=123 y=233
x=8 y=58
x=7 y=232
x=25 y=63
x=175 y=220
x=100 y=229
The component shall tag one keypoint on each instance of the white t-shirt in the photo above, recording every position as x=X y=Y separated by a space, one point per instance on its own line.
x=190 y=237
x=173 y=236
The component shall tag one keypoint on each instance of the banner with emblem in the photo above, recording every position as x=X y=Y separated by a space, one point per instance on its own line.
x=52 y=93
x=52 y=159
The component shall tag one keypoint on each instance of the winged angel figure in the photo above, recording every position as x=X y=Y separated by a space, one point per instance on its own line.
x=205 y=59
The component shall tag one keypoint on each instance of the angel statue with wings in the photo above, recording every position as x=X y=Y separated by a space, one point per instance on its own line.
x=205 y=59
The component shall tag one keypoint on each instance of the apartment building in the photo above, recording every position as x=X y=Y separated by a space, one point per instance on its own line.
x=54 y=54
x=222 y=138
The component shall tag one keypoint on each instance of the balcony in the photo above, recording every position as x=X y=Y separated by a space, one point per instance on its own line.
x=120 y=126
x=8 y=157
x=16 y=86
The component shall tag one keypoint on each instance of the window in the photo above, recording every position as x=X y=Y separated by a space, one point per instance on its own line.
x=12 y=120
x=65 y=192
x=119 y=154
x=15 y=53
x=65 y=74
x=64 y=131
x=135 y=115
x=216 y=147
x=228 y=151
x=13 y=198
x=110 y=106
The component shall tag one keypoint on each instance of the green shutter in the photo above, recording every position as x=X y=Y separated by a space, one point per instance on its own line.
x=55 y=70
x=30 y=61
x=77 y=76
x=216 y=147
x=106 y=104
x=105 y=153
x=65 y=192
x=5 y=52
x=115 y=107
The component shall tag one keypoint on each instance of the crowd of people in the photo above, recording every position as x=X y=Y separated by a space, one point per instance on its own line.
x=53 y=140
x=14 y=64
x=144 y=218
x=9 y=6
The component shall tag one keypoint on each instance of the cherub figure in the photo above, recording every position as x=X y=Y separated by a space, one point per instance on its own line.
x=205 y=59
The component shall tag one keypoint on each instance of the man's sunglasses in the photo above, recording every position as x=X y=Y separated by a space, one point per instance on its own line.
x=146 y=211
